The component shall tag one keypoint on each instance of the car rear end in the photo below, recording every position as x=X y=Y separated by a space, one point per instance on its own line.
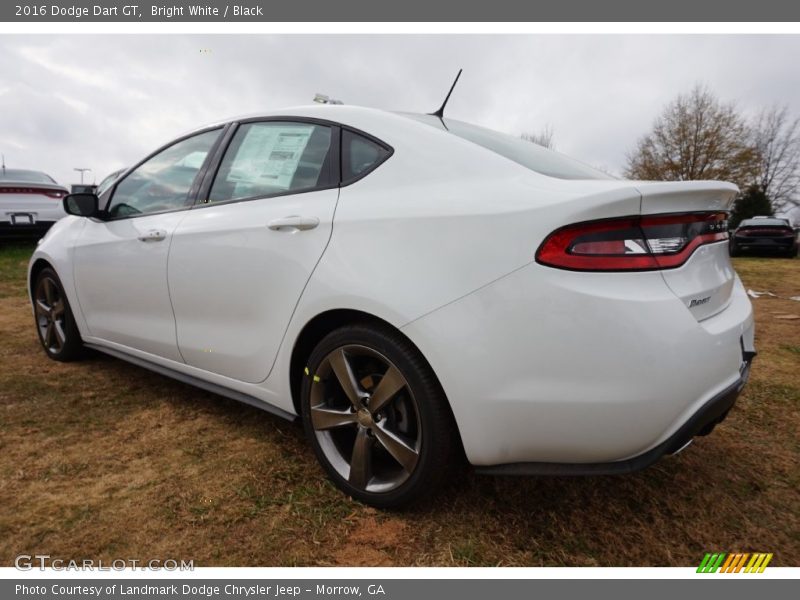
x=30 y=202
x=615 y=329
x=624 y=334
x=629 y=335
x=773 y=236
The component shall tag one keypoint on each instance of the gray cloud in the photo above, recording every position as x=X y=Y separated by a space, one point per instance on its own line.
x=105 y=101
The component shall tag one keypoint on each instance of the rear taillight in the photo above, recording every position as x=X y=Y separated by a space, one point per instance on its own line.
x=55 y=194
x=766 y=231
x=631 y=243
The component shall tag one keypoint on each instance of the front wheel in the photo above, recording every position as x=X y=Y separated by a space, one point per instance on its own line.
x=376 y=416
x=55 y=323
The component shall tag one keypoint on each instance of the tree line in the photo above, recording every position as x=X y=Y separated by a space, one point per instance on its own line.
x=697 y=136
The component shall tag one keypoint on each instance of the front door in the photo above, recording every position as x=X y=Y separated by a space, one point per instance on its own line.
x=120 y=261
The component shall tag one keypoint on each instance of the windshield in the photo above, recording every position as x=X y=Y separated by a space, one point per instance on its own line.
x=528 y=154
x=23 y=176
x=106 y=183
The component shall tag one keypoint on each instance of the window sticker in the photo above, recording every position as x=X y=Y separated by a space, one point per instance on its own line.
x=269 y=156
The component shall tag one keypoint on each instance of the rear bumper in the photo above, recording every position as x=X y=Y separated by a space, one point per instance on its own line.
x=555 y=367
x=700 y=423
x=775 y=244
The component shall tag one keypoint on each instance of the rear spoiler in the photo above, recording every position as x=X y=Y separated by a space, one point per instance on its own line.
x=686 y=196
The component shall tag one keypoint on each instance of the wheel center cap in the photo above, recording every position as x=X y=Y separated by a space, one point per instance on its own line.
x=364 y=418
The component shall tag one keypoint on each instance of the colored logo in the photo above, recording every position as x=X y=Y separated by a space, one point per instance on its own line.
x=734 y=563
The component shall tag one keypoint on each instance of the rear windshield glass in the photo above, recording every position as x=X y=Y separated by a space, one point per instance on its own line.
x=760 y=222
x=529 y=155
x=22 y=176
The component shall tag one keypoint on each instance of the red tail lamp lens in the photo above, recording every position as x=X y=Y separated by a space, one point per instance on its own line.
x=55 y=194
x=631 y=243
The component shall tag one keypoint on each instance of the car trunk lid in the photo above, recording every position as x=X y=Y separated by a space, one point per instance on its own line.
x=28 y=197
x=704 y=283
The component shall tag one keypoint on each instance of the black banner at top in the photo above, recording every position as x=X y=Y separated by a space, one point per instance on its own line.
x=401 y=10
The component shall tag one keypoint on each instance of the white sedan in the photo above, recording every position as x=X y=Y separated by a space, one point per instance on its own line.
x=30 y=202
x=416 y=289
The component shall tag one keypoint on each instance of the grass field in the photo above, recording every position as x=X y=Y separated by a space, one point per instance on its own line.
x=104 y=460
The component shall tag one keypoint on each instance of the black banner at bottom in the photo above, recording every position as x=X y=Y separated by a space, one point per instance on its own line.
x=707 y=586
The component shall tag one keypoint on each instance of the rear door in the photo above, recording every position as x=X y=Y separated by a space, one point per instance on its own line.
x=705 y=282
x=243 y=255
x=120 y=261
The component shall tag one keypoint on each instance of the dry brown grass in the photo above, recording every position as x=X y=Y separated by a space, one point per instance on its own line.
x=104 y=460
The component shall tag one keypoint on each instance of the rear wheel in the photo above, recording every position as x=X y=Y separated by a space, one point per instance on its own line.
x=734 y=251
x=376 y=416
x=55 y=323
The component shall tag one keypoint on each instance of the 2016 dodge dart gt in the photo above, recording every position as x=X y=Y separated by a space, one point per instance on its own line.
x=414 y=288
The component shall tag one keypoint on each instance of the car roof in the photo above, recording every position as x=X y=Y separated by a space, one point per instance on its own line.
x=764 y=221
x=388 y=125
x=340 y=113
x=25 y=176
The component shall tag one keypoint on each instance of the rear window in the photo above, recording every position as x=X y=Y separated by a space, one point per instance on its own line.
x=22 y=176
x=763 y=222
x=529 y=155
x=359 y=155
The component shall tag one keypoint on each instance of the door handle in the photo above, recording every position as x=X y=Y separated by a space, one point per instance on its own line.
x=293 y=223
x=154 y=235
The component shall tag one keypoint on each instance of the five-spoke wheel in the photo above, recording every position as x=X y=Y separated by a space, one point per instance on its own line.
x=376 y=416
x=49 y=307
x=54 y=321
x=365 y=418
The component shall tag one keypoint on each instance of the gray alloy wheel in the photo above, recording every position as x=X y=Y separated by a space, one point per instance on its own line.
x=55 y=323
x=50 y=310
x=377 y=417
x=366 y=419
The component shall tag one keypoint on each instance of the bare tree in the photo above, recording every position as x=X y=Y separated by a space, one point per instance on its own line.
x=545 y=137
x=696 y=137
x=776 y=137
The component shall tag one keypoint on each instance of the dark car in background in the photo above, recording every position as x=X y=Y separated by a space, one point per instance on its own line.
x=767 y=235
x=82 y=188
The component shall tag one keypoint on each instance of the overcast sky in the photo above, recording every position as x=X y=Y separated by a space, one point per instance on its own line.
x=104 y=102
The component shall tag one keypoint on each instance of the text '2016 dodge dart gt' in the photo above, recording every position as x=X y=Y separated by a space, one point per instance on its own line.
x=414 y=288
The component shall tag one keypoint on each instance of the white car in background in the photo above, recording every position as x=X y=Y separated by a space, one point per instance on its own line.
x=30 y=202
x=413 y=287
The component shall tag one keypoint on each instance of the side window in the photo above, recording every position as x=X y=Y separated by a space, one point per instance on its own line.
x=359 y=155
x=163 y=182
x=273 y=157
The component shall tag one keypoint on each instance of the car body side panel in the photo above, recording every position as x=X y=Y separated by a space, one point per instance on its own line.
x=556 y=366
x=234 y=282
x=420 y=231
x=56 y=249
x=121 y=282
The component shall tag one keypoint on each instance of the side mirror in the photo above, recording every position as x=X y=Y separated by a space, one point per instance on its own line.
x=81 y=205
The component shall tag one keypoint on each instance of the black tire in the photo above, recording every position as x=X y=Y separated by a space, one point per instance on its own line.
x=55 y=323
x=734 y=251
x=418 y=413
